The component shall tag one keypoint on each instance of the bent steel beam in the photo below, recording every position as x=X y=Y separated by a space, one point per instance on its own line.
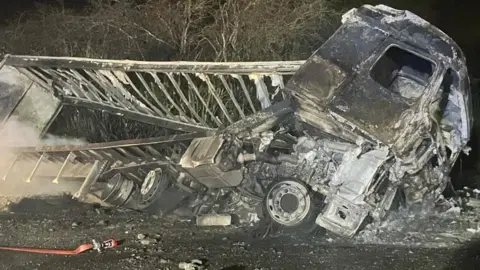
x=88 y=162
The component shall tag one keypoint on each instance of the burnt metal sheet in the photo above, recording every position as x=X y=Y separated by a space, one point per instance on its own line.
x=409 y=27
x=317 y=80
x=372 y=108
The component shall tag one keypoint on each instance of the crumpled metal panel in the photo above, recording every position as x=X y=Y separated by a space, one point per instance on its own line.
x=355 y=174
x=185 y=96
x=13 y=86
x=23 y=100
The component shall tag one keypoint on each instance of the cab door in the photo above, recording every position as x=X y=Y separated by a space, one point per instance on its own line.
x=451 y=107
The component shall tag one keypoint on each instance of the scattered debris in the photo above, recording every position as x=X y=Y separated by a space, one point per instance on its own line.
x=473 y=230
x=214 y=220
x=473 y=202
x=163 y=261
x=193 y=265
x=103 y=222
x=146 y=242
x=455 y=210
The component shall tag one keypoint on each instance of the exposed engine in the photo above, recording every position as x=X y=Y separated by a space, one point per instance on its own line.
x=351 y=180
x=213 y=161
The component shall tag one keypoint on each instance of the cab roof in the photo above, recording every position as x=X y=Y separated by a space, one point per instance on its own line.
x=365 y=28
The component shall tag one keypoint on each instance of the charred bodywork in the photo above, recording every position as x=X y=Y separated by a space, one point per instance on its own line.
x=381 y=111
x=397 y=87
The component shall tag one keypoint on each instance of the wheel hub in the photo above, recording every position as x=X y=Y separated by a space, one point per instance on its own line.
x=117 y=190
x=151 y=184
x=288 y=203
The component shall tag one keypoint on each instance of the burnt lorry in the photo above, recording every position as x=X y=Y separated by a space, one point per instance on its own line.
x=378 y=114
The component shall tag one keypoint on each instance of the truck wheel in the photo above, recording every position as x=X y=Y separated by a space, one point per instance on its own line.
x=292 y=206
x=157 y=194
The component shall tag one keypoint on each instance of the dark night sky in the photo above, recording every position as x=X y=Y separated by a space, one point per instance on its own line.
x=10 y=8
x=458 y=18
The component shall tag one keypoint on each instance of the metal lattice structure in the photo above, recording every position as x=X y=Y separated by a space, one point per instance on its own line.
x=186 y=96
x=131 y=157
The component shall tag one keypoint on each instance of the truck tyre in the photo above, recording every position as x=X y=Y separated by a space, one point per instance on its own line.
x=291 y=206
x=158 y=194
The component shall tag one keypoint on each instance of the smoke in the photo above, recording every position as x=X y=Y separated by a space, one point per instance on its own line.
x=15 y=133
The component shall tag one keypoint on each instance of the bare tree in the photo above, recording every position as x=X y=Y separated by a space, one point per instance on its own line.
x=215 y=30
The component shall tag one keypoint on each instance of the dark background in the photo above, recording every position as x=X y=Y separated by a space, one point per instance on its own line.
x=459 y=19
x=10 y=9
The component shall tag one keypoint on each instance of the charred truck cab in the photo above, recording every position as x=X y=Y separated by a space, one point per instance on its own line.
x=398 y=88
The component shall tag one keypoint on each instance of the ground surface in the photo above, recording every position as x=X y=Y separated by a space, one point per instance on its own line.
x=61 y=223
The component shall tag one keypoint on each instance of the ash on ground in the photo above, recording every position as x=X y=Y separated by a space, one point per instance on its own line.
x=426 y=228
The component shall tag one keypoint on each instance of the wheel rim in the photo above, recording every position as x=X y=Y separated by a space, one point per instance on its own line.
x=288 y=203
x=149 y=182
x=117 y=190
x=150 y=186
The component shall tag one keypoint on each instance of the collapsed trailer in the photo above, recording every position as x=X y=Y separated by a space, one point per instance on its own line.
x=381 y=111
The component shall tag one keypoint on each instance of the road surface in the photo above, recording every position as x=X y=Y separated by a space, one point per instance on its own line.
x=59 y=223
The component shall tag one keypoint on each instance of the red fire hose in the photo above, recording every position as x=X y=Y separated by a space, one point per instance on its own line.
x=80 y=249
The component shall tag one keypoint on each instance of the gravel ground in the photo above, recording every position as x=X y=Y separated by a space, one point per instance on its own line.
x=61 y=223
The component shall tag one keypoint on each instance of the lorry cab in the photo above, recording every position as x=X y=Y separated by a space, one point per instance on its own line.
x=390 y=78
x=396 y=86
